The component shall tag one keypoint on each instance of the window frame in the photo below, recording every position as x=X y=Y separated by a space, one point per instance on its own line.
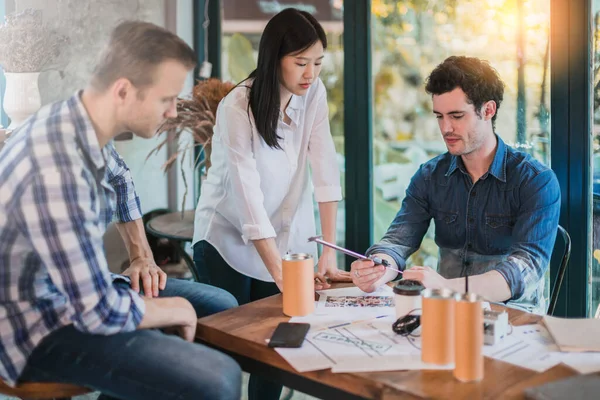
x=571 y=121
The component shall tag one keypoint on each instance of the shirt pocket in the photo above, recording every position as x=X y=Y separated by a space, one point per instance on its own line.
x=447 y=229
x=498 y=233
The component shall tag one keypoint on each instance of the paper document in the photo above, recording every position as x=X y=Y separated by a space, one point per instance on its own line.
x=338 y=301
x=574 y=334
x=532 y=347
x=528 y=346
x=351 y=331
x=306 y=358
x=397 y=363
x=584 y=363
x=355 y=345
x=354 y=300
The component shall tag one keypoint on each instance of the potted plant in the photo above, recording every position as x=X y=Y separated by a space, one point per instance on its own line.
x=197 y=116
x=27 y=46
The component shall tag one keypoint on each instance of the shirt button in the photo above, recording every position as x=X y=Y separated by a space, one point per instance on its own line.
x=471 y=220
x=470 y=245
x=473 y=193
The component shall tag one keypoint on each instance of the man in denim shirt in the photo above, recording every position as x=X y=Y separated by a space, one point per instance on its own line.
x=495 y=209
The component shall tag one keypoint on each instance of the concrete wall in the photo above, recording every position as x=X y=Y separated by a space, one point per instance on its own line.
x=185 y=30
x=87 y=24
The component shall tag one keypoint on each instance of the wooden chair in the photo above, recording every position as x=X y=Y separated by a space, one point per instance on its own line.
x=43 y=390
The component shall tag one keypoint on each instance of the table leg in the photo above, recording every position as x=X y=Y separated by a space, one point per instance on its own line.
x=189 y=262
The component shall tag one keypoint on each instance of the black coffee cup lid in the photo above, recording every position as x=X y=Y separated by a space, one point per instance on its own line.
x=407 y=287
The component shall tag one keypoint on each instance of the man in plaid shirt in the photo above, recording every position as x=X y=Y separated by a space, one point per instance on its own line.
x=63 y=317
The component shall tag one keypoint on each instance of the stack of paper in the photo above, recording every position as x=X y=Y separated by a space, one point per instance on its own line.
x=574 y=335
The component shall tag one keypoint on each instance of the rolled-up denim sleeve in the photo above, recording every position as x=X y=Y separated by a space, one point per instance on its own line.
x=534 y=234
x=406 y=232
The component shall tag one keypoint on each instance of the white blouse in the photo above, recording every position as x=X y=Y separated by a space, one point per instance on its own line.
x=255 y=192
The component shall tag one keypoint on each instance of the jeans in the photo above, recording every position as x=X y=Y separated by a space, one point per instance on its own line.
x=205 y=299
x=145 y=364
x=217 y=272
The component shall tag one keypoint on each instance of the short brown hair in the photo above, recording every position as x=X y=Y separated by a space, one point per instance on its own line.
x=134 y=50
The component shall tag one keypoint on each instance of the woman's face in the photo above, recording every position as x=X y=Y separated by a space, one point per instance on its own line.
x=300 y=70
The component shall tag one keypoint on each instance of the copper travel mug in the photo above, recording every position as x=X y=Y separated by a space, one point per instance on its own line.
x=298 y=284
x=437 y=326
x=468 y=324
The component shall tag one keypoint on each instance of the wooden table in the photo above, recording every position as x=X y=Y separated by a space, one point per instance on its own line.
x=241 y=332
x=173 y=225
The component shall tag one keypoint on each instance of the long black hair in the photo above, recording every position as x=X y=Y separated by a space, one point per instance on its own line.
x=291 y=31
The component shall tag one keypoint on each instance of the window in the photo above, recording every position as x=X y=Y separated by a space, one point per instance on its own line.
x=595 y=289
x=410 y=39
x=3 y=116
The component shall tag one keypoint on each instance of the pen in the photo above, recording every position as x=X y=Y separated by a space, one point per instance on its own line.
x=376 y=260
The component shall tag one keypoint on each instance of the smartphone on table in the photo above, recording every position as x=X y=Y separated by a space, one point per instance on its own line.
x=289 y=334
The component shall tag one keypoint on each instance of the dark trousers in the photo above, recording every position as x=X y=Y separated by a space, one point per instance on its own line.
x=215 y=271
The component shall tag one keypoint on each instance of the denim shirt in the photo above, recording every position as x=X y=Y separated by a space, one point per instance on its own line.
x=506 y=221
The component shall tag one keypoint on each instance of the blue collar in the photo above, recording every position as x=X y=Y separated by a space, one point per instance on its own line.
x=497 y=168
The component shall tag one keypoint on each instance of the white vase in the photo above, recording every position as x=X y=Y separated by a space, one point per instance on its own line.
x=22 y=97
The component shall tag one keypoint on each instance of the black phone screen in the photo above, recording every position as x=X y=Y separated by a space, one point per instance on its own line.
x=289 y=334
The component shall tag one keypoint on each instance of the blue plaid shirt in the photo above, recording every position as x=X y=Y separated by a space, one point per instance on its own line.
x=506 y=221
x=58 y=192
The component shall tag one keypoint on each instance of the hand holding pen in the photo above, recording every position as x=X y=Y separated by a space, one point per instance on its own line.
x=367 y=278
x=376 y=260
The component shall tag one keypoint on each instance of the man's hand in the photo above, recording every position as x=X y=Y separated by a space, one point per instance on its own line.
x=187 y=329
x=174 y=315
x=366 y=275
x=427 y=276
x=327 y=270
x=142 y=266
x=151 y=276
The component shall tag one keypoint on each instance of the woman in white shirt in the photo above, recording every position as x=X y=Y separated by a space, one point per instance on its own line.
x=256 y=202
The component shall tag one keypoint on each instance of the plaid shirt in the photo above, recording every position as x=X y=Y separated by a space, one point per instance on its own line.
x=58 y=192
